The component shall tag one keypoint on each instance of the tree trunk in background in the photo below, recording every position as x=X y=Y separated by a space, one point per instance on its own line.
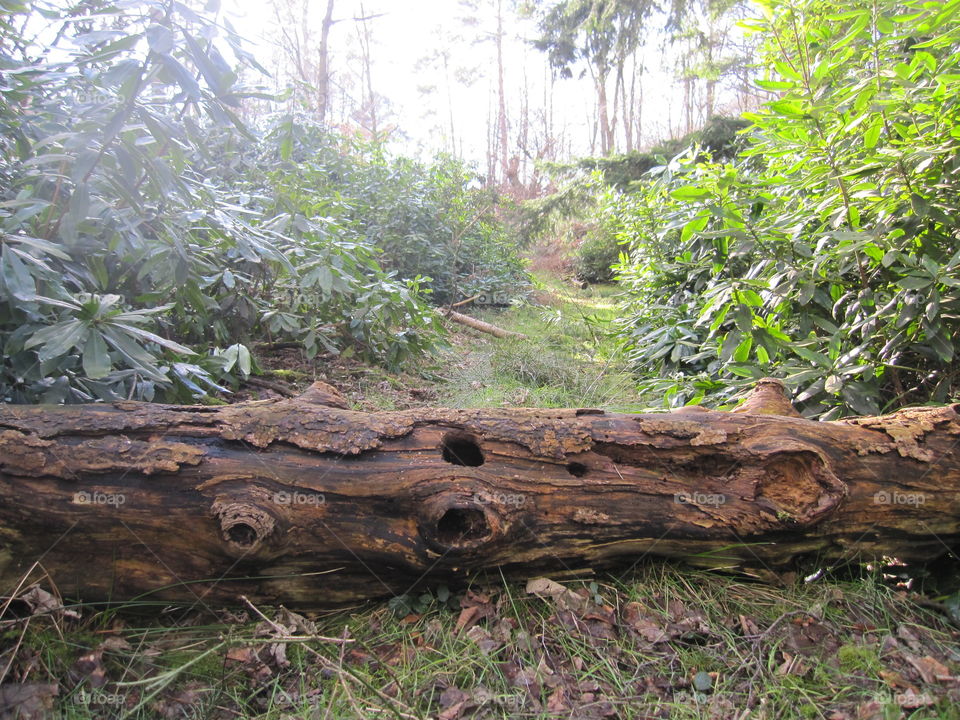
x=606 y=133
x=302 y=502
x=503 y=137
x=363 y=38
x=323 y=64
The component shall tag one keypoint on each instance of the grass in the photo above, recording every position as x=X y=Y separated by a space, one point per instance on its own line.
x=820 y=650
x=832 y=649
x=569 y=359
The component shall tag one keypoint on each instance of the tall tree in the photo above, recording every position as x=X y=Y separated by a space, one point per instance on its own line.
x=598 y=37
x=713 y=49
x=494 y=30
x=323 y=63
x=308 y=59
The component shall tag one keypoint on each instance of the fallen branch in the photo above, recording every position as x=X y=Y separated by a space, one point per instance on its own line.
x=467 y=301
x=480 y=325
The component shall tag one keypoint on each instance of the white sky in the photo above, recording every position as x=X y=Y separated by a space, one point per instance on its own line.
x=412 y=29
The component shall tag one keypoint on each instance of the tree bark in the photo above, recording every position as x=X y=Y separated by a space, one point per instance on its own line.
x=303 y=502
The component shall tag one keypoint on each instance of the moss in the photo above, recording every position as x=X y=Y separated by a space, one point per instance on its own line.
x=858 y=658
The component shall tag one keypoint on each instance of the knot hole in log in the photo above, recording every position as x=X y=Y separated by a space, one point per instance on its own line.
x=459 y=525
x=459 y=448
x=799 y=486
x=454 y=523
x=243 y=526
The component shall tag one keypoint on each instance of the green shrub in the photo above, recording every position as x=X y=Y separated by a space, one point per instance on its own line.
x=827 y=253
x=148 y=236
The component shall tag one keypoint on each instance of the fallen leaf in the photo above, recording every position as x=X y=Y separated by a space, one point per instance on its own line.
x=909 y=637
x=563 y=597
x=557 y=702
x=483 y=639
x=930 y=669
x=90 y=667
x=27 y=701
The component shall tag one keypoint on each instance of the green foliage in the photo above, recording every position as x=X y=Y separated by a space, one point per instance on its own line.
x=719 y=138
x=149 y=236
x=426 y=221
x=827 y=253
x=599 y=32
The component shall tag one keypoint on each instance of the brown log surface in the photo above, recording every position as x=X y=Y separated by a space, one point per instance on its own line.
x=302 y=502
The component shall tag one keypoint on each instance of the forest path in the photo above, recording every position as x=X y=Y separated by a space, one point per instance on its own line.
x=569 y=357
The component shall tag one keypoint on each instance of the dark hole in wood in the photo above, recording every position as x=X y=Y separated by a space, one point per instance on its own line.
x=460 y=449
x=577 y=469
x=242 y=534
x=458 y=525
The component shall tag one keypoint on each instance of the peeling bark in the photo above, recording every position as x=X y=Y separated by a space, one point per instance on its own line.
x=303 y=502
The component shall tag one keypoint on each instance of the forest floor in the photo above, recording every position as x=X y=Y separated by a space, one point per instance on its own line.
x=657 y=640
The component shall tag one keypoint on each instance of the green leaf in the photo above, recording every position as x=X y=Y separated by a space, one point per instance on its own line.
x=690 y=193
x=184 y=78
x=872 y=135
x=96 y=359
x=57 y=339
x=160 y=39
x=152 y=337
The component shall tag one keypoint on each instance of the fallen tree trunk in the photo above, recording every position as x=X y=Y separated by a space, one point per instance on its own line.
x=480 y=325
x=302 y=502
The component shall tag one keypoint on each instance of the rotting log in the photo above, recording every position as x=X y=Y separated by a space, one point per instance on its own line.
x=306 y=503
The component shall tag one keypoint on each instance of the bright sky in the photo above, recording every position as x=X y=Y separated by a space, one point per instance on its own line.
x=410 y=30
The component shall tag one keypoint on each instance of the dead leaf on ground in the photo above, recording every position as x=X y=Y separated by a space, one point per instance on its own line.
x=27 y=701
x=931 y=670
x=41 y=602
x=644 y=625
x=483 y=640
x=563 y=597
x=90 y=667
